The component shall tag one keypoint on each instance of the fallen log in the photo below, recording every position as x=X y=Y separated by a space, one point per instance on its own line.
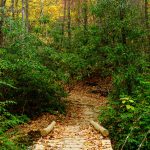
x=101 y=129
x=48 y=129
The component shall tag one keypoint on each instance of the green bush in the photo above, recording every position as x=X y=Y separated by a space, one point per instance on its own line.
x=7 y=121
x=23 y=66
x=123 y=42
x=128 y=120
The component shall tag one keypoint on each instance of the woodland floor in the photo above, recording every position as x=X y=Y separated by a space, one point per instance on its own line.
x=73 y=131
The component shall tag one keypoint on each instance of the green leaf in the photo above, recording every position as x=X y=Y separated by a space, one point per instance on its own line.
x=131 y=101
x=123 y=102
x=129 y=107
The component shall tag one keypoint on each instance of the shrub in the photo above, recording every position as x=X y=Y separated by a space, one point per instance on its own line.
x=7 y=121
x=23 y=66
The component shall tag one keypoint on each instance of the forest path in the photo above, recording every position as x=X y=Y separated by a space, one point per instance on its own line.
x=73 y=131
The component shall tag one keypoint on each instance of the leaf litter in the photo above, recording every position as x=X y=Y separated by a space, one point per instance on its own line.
x=73 y=131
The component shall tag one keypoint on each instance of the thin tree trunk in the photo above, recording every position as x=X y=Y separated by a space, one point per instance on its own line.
x=85 y=18
x=79 y=12
x=41 y=12
x=146 y=14
x=23 y=14
x=12 y=8
x=147 y=23
x=2 y=6
x=69 y=23
x=41 y=5
x=16 y=8
x=122 y=14
x=63 y=22
x=85 y=15
x=27 y=15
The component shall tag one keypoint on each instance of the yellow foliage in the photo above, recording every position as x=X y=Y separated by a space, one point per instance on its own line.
x=50 y=8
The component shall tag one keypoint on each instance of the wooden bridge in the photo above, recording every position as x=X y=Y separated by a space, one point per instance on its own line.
x=75 y=131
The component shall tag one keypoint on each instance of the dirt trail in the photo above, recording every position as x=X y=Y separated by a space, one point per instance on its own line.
x=74 y=132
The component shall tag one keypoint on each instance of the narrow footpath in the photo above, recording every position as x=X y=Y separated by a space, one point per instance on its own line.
x=74 y=132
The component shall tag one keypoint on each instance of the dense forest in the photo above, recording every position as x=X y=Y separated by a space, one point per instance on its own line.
x=48 y=45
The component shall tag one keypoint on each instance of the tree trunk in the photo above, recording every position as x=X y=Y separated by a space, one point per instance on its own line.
x=12 y=8
x=23 y=14
x=79 y=12
x=122 y=14
x=16 y=8
x=27 y=15
x=41 y=5
x=147 y=19
x=146 y=14
x=69 y=23
x=85 y=17
x=2 y=13
x=85 y=20
x=63 y=22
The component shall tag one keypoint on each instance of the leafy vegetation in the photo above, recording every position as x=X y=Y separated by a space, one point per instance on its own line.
x=51 y=44
x=127 y=114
